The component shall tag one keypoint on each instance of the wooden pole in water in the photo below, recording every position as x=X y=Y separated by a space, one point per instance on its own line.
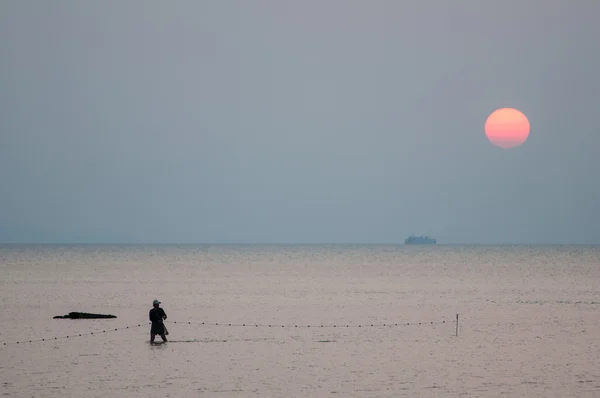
x=457 y=324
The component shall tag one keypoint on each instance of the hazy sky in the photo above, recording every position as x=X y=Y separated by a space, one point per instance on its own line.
x=297 y=121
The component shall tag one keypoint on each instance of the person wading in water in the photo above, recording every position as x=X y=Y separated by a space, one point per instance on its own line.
x=157 y=315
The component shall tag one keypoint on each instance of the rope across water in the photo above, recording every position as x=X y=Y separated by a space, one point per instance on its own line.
x=249 y=325
x=314 y=325
x=98 y=332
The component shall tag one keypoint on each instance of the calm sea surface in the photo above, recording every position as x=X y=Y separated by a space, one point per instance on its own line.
x=529 y=321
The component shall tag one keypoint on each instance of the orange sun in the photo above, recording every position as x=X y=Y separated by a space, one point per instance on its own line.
x=507 y=128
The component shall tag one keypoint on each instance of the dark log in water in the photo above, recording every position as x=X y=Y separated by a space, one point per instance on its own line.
x=83 y=315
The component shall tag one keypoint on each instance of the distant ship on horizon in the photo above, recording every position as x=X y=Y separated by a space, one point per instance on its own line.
x=419 y=240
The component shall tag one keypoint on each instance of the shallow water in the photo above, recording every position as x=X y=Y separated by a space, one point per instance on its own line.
x=528 y=321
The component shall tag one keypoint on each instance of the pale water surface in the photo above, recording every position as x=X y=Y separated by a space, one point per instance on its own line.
x=529 y=323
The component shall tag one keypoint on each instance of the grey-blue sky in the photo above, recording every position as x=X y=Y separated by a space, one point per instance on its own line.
x=287 y=121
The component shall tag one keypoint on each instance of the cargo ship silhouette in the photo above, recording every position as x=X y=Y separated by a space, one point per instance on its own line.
x=419 y=240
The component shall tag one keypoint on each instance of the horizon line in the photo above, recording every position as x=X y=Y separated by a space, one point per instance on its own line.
x=141 y=243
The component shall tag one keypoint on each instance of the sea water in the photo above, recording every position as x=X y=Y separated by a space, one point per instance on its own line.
x=529 y=321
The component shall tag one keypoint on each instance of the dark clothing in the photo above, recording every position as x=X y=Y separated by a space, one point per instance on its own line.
x=156 y=317
x=157 y=314
x=157 y=328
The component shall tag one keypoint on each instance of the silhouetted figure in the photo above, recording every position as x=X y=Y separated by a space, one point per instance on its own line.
x=157 y=316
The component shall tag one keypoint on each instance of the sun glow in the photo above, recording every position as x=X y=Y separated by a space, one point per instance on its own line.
x=507 y=128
